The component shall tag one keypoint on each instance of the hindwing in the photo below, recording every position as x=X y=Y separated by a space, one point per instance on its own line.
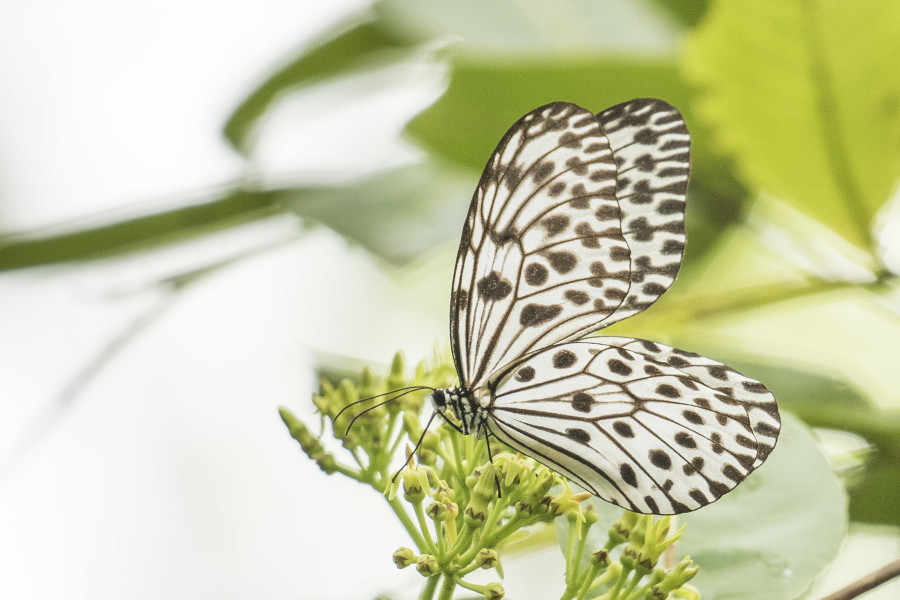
x=635 y=427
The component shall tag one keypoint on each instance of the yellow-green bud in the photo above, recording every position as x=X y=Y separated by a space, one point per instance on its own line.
x=650 y=541
x=427 y=457
x=494 y=591
x=620 y=531
x=600 y=557
x=437 y=511
x=562 y=503
x=413 y=487
x=674 y=579
x=487 y=558
x=309 y=443
x=404 y=557
x=482 y=494
x=367 y=382
x=412 y=425
x=427 y=565
x=396 y=379
x=348 y=391
x=590 y=515
x=431 y=441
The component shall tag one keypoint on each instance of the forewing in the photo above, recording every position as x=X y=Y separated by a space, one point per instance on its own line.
x=653 y=436
x=651 y=147
x=542 y=257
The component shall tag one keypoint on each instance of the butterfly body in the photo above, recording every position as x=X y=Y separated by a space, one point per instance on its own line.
x=577 y=223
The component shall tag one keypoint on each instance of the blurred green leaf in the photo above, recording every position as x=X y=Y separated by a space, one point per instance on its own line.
x=824 y=401
x=484 y=99
x=397 y=214
x=807 y=99
x=686 y=12
x=18 y=251
x=771 y=536
x=533 y=27
x=360 y=47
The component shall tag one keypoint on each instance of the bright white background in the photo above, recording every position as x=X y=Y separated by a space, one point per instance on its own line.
x=168 y=474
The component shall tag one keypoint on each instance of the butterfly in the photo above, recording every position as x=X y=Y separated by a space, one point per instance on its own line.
x=577 y=223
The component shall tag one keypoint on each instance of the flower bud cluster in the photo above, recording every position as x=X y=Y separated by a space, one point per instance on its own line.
x=462 y=501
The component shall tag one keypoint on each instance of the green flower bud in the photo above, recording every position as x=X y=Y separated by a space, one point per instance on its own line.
x=621 y=529
x=437 y=511
x=651 y=542
x=482 y=494
x=431 y=441
x=674 y=579
x=600 y=558
x=348 y=392
x=404 y=557
x=427 y=565
x=443 y=492
x=414 y=486
x=427 y=457
x=412 y=425
x=494 y=591
x=367 y=382
x=562 y=503
x=590 y=515
x=309 y=443
x=487 y=558
x=396 y=379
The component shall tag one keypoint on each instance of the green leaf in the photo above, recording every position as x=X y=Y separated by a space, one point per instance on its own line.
x=362 y=46
x=484 y=99
x=18 y=251
x=398 y=214
x=806 y=96
x=686 y=12
x=776 y=531
x=822 y=400
x=769 y=537
x=532 y=27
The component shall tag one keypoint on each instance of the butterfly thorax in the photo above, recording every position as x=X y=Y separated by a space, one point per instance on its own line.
x=465 y=405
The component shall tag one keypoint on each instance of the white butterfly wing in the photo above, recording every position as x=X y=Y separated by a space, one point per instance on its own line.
x=641 y=425
x=651 y=146
x=544 y=256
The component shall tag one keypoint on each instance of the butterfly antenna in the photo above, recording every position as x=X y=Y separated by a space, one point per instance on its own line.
x=491 y=458
x=382 y=403
x=411 y=389
x=414 y=450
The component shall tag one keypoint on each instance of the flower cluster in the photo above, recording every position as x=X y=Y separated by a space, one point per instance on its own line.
x=460 y=508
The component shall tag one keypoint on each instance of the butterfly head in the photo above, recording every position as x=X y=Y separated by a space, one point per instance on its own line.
x=461 y=403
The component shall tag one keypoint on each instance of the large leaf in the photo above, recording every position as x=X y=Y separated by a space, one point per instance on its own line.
x=533 y=27
x=806 y=95
x=769 y=537
x=686 y=12
x=825 y=401
x=484 y=99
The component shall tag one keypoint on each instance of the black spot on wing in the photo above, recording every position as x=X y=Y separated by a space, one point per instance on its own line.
x=493 y=287
x=534 y=315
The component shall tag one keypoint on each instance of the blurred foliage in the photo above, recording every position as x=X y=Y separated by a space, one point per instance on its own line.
x=794 y=108
x=772 y=534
